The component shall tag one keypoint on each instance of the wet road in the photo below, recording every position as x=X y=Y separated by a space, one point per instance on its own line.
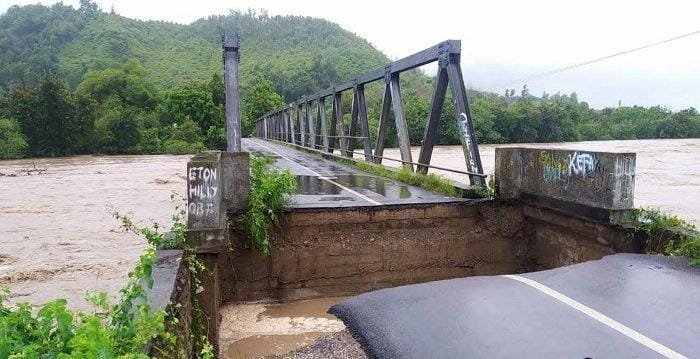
x=324 y=183
x=622 y=306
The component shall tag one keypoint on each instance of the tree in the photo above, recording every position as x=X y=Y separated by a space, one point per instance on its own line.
x=261 y=100
x=89 y=8
x=117 y=129
x=13 y=144
x=48 y=117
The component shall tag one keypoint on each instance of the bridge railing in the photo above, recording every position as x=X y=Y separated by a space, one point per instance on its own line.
x=295 y=123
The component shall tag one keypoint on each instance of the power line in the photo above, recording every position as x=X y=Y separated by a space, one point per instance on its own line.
x=584 y=63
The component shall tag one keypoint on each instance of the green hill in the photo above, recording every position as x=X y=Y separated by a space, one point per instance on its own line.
x=298 y=54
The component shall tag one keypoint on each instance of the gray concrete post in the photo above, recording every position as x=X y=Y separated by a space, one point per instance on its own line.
x=233 y=113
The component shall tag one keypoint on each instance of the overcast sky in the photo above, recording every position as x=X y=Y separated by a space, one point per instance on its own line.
x=506 y=40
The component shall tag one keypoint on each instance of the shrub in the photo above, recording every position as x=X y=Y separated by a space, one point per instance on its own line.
x=654 y=223
x=180 y=147
x=269 y=192
x=13 y=143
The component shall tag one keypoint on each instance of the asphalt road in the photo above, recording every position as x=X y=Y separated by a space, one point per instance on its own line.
x=622 y=306
x=324 y=183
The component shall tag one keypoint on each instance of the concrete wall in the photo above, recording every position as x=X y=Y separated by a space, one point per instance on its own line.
x=171 y=291
x=590 y=184
x=342 y=252
x=349 y=251
x=556 y=239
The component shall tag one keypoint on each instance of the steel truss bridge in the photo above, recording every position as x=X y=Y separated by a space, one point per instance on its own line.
x=304 y=123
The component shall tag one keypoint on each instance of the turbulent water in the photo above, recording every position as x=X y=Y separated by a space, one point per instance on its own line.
x=58 y=238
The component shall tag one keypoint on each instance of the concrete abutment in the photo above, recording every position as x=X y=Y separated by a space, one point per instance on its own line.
x=554 y=210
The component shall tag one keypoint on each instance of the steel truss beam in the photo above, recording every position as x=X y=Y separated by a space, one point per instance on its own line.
x=315 y=133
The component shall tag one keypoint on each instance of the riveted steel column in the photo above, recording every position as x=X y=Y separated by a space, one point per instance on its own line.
x=466 y=127
x=401 y=126
x=364 y=123
x=310 y=122
x=230 y=44
x=322 y=119
x=431 y=125
x=351 y=143
x=337 y=125
x=383 y=117
x=302 y=124
x=292 y=124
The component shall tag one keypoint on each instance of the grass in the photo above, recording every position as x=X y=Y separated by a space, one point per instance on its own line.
x=668 y=234
x=430 y=181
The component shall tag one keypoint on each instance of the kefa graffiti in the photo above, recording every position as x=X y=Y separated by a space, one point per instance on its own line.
x=583 y=164
x=202 y=189
x=560 y=168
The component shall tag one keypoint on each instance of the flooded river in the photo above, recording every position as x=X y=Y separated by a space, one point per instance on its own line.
x=58 y=238
x=667 y=170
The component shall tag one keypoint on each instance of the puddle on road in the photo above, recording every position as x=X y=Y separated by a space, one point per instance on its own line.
x=313 y=185
x=382 y=186
x=264 y=345
x=316 y=308
x=256 y=330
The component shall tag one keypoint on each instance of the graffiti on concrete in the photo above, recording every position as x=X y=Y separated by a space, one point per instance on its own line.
x=203 y=190
x=583 y=164
x=554 y=169
x=623 y=178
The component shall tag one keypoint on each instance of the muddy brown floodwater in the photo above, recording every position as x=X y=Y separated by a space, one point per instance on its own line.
x=58 y=239
x=667 y=170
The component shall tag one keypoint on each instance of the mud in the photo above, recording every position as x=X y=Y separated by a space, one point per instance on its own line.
x=259 y=330
x=666 y=169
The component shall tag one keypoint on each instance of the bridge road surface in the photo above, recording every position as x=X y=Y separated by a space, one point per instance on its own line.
x=622 y=306
x=325 y=183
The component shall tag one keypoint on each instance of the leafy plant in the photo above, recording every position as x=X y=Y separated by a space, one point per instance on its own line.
x=120 y=330
x=269 y=192
x=668 y=234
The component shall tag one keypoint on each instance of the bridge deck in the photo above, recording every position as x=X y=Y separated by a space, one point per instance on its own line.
x=324 y=183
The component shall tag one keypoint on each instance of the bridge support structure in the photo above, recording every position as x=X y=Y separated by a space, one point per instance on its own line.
x=314 y=132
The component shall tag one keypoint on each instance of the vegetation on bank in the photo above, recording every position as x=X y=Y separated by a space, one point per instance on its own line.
x=668 y=234
x=86 y=81
x=112 y=330
x=270 y=190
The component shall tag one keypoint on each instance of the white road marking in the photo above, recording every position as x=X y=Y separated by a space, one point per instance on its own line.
x=322 y=177
x=627 y=331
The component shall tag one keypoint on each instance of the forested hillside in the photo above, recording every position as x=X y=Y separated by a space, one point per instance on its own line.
x=75 y=81
x=299 y=54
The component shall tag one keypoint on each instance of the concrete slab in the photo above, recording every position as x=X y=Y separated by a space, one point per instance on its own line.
x=622 y=306
x=324 y=183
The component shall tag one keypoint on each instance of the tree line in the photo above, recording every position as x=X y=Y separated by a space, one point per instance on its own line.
x=118 y=111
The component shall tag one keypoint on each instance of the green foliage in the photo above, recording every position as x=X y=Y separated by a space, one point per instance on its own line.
x=684 y=241
x=269 y=192
x=111 y=331
x=134 y=80
x=13 y=143
x=260 y=100
x=47 y=115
